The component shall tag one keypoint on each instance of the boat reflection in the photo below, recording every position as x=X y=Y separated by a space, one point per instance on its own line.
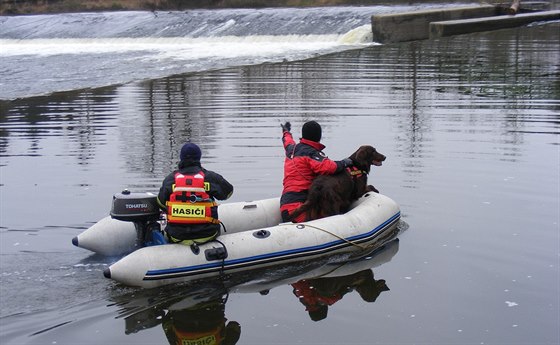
x=195 y=314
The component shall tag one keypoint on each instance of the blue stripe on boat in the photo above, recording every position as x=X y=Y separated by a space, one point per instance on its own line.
x=190 y=270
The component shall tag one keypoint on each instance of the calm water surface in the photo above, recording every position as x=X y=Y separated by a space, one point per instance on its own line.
x=471 y=129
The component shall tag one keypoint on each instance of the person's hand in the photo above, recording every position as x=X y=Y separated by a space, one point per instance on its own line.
x=347 y=162
x=286 y=127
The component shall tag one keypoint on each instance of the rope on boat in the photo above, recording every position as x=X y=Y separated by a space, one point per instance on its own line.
x=335 y=235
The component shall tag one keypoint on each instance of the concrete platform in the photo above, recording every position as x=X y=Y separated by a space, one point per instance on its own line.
x=412 y=26
x=457 y=27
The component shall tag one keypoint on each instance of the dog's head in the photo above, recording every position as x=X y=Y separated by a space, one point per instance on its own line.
x=366 y=156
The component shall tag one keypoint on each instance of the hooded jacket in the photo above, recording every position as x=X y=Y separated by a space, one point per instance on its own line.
x=304 y=161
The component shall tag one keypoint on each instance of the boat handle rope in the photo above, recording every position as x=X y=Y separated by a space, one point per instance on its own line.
x=222 y=268
x=223 y=225
x=299 y=225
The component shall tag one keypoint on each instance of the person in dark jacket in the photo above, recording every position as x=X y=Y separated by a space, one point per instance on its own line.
x=188 y=195
x=304 y=161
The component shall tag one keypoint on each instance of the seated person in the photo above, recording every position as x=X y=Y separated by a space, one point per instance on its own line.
x=304 y=161
x=187 y=195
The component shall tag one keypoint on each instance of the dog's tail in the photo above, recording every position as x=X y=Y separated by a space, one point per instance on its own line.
x=313 y=206
x=298 y=211
x=304 y=208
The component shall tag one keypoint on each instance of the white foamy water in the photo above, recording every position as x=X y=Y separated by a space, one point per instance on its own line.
x=41 y=66
x=46 y=54
x=224 y=46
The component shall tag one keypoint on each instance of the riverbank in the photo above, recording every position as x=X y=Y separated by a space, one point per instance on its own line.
x=20 y=7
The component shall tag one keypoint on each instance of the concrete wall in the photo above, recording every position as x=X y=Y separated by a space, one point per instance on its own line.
x=456 y=27
x=410 y=26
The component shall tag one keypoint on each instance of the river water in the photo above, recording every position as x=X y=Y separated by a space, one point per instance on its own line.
x=95 y=103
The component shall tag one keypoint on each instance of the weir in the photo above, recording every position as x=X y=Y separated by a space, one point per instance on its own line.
x=434 y=23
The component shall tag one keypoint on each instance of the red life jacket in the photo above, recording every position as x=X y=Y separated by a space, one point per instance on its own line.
x=189 y=203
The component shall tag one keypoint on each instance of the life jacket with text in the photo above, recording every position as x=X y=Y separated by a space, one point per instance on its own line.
x=212 y=337
x=189 y=203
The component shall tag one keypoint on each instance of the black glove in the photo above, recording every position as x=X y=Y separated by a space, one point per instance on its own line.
x=286 y=127
x=347 y=162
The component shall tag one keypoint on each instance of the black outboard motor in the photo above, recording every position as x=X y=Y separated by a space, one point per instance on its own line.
x=142 y=209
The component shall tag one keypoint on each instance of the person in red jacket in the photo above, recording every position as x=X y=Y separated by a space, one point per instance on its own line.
x=304 y=161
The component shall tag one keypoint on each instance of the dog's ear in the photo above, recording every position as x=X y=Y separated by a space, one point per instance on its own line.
x=363 y=158
x=360 y=157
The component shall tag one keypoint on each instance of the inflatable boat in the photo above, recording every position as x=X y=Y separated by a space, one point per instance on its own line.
x=252 y=237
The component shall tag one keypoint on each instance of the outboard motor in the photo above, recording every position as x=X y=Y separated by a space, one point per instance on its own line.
x=142 y=209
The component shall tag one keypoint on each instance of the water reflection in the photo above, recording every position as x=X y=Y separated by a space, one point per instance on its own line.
x=82 y=118
x=194 y=314
x=317 y=295
x=205 y=323
x=506 y=79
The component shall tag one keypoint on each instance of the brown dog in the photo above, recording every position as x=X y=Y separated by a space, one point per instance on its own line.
x=332 y=194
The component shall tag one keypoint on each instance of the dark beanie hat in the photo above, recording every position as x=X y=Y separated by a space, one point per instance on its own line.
x=190 y=151
x=311 y=130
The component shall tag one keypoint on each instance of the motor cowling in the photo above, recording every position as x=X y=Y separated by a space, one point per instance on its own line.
x=135 y=207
